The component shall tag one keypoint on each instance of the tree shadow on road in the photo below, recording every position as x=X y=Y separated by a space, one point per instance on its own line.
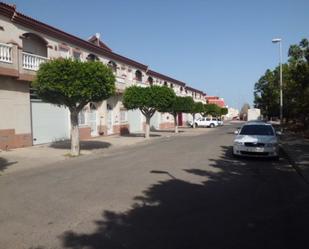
x=4 y=164
x=238 y=204
x=84 y=145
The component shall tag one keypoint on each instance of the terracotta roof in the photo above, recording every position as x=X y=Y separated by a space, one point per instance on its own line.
x=26 y=21
x=93 y=39
x=212 y=97
x=219 y=102
x=194 y=90
x=164 y=77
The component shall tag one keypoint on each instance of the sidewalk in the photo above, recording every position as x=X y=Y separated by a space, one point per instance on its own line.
x=296 y=149
x=42 y=155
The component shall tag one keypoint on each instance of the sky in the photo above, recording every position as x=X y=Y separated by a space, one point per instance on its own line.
x=221 y=47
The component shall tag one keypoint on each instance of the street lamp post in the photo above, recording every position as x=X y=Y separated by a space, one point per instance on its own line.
x=279 y=40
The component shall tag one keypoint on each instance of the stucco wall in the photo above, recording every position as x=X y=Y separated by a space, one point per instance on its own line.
x=14 y=105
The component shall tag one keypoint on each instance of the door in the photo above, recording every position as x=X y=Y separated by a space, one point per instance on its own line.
x=109 y=121
x=50 y=123
x=135 y=121
x=92 y=122
x=180 y=119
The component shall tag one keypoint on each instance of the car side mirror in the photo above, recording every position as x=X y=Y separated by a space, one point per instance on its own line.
x=236 y=132
x=278 y=133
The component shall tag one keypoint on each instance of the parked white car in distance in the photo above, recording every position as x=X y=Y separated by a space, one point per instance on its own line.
x=205 y=122
x=220 y=121
x=256 y=139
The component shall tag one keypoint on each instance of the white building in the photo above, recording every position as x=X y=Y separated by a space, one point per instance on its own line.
x=26 y=120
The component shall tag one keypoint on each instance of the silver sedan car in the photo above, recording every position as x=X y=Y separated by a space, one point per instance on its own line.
x=256 y=139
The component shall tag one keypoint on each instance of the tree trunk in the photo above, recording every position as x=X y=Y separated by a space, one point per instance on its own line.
x=75 y=149
x=147 y=128
x=193 y=115
x=175 y=122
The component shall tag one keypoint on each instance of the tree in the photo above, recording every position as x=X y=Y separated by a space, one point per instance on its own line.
x=212 y=109
x=148 y=100
x=295 y=87
x=74 y=84
x=181 y=104
x=244 y=111
x=299 y=80
x=197 y=107
x=223 y=111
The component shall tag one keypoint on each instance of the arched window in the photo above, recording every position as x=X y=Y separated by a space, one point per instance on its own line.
x=34 y=44
x=113 y=66
x=172 y=85
x=92 y=57
x=181 y=89
x=138 y=75
x=92 y=106
x=165 y=83
x=150 y=80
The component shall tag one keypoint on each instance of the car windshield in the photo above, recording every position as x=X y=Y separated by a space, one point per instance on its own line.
x=263 y=130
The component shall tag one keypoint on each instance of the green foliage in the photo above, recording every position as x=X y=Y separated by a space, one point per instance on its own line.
x=181 y=104
x=197 y=107
x=224 y=111
x=295 y=87
x=73 y=83
x=149 y=99
x=212 y=109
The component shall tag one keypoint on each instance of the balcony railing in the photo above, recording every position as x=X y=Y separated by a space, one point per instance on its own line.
x=5 y=53
x=32 y=62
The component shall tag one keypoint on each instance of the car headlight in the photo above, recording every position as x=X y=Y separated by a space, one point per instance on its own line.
x=238 y=143
x=271 y=145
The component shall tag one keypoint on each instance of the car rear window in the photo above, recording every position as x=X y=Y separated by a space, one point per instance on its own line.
x=263 y=130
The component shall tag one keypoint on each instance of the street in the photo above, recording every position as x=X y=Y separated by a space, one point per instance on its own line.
x=175 y=192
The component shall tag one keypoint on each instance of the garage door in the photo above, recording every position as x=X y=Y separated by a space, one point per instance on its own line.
x=135 y=121
x=50 y=123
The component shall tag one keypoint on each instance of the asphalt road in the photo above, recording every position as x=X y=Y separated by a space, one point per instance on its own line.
x=177 y=192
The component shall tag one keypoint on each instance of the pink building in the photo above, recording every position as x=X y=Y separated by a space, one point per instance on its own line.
x=215 y=100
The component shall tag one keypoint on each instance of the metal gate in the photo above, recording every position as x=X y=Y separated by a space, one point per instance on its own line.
x=50 y=123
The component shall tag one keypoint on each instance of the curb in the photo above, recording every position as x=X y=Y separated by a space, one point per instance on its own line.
x=293 y=163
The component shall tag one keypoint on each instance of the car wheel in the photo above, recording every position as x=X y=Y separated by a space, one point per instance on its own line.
x=212 y=125
x=276 y=158
x=234 y=155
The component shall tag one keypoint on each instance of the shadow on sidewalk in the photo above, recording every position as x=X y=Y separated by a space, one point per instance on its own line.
x=139 y=135
x=238 y=205
x=4 y=164
x=84 y=145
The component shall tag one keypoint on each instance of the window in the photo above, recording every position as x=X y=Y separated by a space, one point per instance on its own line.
x=262 y=130
x=150 y=80
x=64 y=52
x=82 y=117
x=138 y=75
x=123 y=116
x=92 y=57
x=113 y=66
x=172 y=85
x=77 y=55
x=165 y=83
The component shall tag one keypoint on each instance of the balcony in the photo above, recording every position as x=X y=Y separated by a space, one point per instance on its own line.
x=120 y=84
x=31 y=61
x=6 y=53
